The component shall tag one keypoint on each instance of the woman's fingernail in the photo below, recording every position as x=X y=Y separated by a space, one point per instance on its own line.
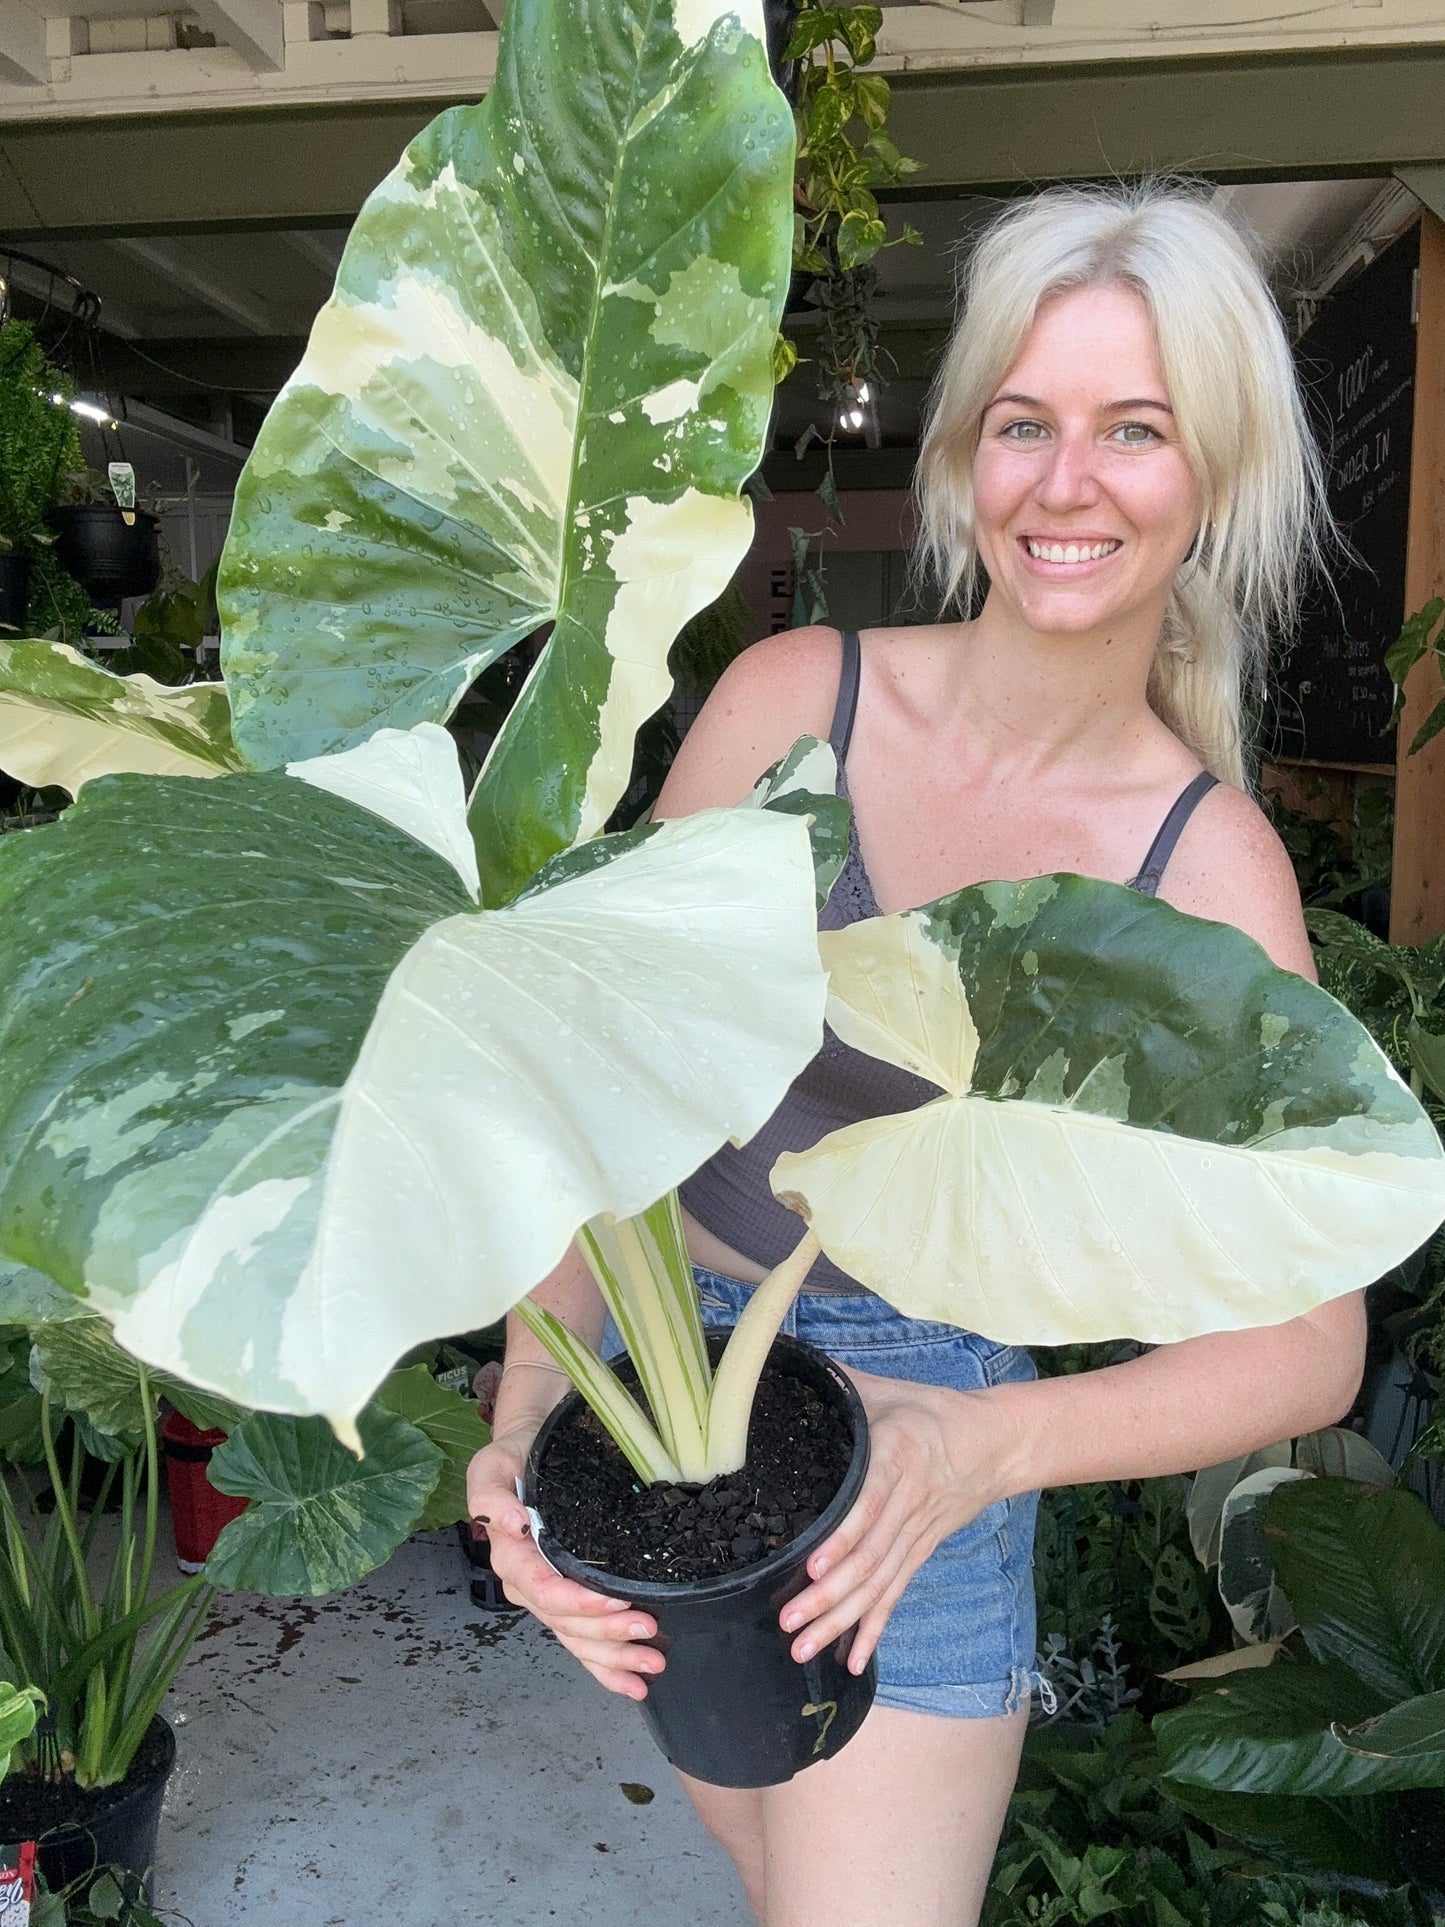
x=806 y=1650
x=481 y=1518
x=639 y=1629
x=791 y=1622
x=819 y=1567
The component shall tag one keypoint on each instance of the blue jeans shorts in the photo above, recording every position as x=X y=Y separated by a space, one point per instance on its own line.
x=960 y=1642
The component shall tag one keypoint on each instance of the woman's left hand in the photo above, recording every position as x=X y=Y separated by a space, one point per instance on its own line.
x=932 y=1465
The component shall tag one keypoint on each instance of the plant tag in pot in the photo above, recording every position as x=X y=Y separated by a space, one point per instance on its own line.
x=122 y=486
x=536 y=1518
x=17 y=1883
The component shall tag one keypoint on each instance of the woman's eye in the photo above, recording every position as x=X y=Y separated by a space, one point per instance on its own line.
x=1023 y=431
x=1136 y=434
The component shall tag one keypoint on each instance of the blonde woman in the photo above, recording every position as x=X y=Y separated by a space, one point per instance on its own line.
x=1117 y=476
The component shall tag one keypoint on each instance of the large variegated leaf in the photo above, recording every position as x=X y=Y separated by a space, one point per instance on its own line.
x=283 y=1103
x=1144 y=1130
x=65 y=720
x=543 y=377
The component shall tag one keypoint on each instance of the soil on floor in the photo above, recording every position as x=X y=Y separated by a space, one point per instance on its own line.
x=799 y=1449
x=30 y=1807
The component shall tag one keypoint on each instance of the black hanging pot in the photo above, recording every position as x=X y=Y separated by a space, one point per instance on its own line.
x=79 y=1831
x=108 y=559
x=733 y=1707
x=14 y=583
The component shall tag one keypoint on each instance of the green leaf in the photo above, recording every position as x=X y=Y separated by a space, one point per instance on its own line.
x=1427 y=1054
x=830 y=112
x=19 y=1708
x=1276 y=1732
x=1177 y=1606
x=93 y=1375
x=1336 y=1453
x=803 y=783
x=1430 y=728
x=1365 y=1572
x=860 y=30
x=1352 y=1837
x=1212 y=1486
x=860 y=235
x=64 y=720
x=30 y=1298
x=1412 y=1733
x=1259 y=1609
x=1414 y=640
x=453 y=1425
x=318 y=1519
x=544 y=375
x=813 y=26
x=873 y=96
x=1217 y=1142
x=288 y=1111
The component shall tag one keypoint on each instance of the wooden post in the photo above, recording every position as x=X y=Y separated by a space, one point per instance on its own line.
x=1417 y=896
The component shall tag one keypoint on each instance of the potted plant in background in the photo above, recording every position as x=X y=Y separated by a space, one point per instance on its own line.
x=39 y=445
x=108 y=545
x=411 y=1041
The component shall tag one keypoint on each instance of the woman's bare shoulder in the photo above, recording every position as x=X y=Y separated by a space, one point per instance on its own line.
x=1231 y=867
x=780 y=689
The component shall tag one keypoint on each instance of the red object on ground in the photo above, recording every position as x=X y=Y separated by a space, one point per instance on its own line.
x=198 y=1510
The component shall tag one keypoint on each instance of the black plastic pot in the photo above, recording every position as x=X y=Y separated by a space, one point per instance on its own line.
x=733 y=1707
x=14 y=581
x=108 y=559
x=121 y=1833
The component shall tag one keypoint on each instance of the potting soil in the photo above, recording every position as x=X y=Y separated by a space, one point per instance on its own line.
x=30 y=1806
x=799 y=1448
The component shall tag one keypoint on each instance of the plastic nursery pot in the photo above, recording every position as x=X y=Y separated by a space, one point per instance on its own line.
x=109 y=559
x=14 y=580
x=107 y=1827
x=733 y=1707
x=198 y=1510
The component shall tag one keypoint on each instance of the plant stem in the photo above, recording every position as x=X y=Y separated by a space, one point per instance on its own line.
x=735 y=1381
x=65 y=1512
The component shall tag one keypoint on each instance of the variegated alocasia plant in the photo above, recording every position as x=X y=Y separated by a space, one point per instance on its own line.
x=1143 y=1129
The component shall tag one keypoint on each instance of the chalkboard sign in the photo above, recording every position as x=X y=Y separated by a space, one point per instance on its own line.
x=1332 y=697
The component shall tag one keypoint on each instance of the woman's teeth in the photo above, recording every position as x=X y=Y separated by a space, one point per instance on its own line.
x=1069 y=552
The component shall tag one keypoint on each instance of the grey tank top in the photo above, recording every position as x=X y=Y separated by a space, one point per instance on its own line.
x=730 y=1195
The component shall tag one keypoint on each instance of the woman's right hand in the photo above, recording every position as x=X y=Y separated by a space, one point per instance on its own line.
x=601 y=1632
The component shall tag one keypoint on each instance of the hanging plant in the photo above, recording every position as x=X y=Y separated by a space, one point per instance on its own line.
x=844 y=154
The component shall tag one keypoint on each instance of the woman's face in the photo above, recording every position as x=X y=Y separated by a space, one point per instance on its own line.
x=1084 y=501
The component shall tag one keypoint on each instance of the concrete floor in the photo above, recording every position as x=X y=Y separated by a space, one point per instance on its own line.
x=395 y=1757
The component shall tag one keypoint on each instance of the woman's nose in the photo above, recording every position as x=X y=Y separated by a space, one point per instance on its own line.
x=1068 y=479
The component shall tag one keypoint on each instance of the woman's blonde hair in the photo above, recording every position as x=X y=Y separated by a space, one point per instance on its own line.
x=1238 y=407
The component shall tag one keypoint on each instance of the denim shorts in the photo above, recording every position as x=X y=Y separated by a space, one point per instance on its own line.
x=960 y=1642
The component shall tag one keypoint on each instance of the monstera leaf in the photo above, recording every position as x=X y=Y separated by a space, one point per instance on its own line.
x=64 y=720
x=1144 y=1129
x=543 y=377
x=281 y=1102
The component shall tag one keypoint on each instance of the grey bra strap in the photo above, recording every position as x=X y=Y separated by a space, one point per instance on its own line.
x=846 y=707
x=1170 y=831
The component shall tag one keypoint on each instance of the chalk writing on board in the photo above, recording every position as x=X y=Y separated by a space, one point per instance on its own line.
x=1332 y=697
